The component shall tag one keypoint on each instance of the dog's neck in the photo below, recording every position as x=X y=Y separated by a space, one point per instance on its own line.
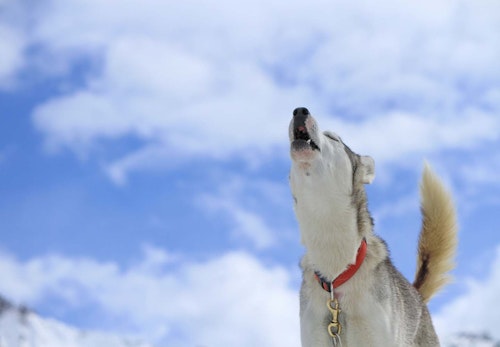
x=329 y=230
x=329 y=285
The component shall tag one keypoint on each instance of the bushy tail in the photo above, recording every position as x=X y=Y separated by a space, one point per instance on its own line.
x=438 y=237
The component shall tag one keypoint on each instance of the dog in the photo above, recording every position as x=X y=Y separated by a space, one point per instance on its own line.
x=351 y=293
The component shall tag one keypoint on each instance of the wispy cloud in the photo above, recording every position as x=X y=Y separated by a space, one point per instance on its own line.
x=246 y=225
x=256 y=209
x=12 y=45
x=232 y=299
x=474 y=310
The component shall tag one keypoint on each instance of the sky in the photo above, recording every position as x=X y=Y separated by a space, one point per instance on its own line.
x=144 y=154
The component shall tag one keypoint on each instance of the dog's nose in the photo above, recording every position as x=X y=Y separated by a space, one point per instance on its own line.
x=300 y=111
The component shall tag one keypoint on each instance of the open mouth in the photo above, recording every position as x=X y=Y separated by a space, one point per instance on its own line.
x=302 y=139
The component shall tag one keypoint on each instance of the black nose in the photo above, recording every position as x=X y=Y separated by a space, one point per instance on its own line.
x=300 y=111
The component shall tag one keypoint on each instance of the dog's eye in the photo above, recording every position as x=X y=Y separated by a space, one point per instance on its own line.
x=332 y=136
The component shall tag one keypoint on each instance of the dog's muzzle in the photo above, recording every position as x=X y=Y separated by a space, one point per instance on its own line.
x=301 y=138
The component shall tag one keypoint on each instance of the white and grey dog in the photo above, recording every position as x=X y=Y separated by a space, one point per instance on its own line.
x=351 y=294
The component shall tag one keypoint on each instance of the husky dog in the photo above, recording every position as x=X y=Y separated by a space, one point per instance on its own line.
x=351 y=293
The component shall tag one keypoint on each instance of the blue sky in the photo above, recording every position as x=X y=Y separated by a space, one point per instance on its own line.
x=144 y=154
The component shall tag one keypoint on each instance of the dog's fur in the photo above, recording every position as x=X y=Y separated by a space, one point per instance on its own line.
x=379 y=306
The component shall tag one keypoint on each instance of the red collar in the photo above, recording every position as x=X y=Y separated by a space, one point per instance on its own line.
x=347 y=274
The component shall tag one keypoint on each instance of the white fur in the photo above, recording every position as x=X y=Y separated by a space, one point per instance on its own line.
x=321 y=182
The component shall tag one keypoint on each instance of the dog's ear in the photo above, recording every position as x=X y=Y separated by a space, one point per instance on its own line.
x=367 y=169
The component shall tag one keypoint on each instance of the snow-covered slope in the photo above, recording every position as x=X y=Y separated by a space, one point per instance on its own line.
x=19 y=327
x=471 y=340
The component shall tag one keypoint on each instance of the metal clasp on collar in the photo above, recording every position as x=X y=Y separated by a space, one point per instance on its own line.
x=334 y=328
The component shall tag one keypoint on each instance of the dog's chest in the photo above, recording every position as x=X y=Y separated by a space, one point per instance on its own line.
x=364 y=322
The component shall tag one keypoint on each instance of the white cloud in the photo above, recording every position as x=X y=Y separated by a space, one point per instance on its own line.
x=12 y=44
x=393 y=136
x=178 y=112
x=229 y=300
x=476 y=309
x=220 y=79
x=232 y=299
x=156 y=68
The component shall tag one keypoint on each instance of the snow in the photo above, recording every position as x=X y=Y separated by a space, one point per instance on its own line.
x=471 y=340
x=20 y=327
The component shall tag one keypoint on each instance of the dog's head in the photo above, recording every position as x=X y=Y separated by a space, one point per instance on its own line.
x=321 y=163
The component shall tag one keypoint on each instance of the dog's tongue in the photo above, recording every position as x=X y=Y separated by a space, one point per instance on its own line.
x=301 y=133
